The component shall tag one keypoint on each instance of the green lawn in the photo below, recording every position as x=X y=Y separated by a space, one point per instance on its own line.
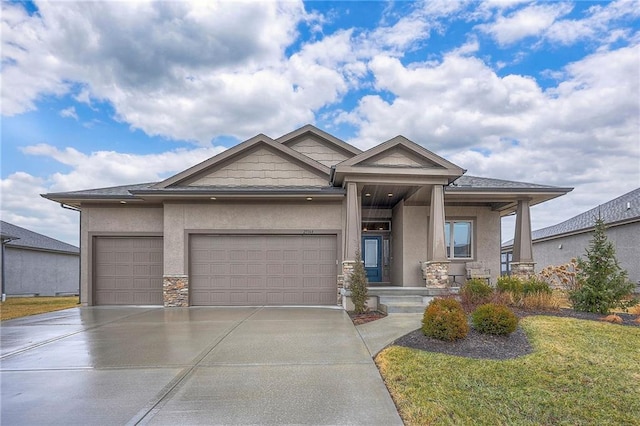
x=581 y=372
x=15 y=307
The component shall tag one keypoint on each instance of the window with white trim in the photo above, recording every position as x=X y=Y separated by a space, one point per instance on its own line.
x=458 y=237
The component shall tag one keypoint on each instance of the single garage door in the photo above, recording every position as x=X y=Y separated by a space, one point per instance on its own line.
x=262 y=270
x=128 y=271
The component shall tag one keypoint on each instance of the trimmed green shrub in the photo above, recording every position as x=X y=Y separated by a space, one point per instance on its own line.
x=510 y=284
x=494 y=319
x=476 y=291
x=444 y=319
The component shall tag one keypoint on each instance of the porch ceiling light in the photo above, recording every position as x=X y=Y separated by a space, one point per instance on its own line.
x=213 y=198
x=309 y=198
x=367 y=195
x=390 y=195
x=123 y=202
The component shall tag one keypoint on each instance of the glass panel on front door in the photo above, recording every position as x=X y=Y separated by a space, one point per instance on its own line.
x=372 y=256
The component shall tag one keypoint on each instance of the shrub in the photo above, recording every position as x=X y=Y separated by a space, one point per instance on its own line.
x=561 y=277
x=494 y=319
x=601 y=283
x=541 y=301
x=510 y=284
x=444 y=319
x=534 y=285
x=358 y=286
x=476 y=291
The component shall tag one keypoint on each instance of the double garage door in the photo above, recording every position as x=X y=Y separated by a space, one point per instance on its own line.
x=262 y=270
x=223 y=270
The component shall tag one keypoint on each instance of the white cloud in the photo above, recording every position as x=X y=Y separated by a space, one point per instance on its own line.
x=530 y=21
x=69 y=113
x=583 y=133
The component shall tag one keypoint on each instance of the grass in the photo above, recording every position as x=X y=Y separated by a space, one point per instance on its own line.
x=581 y=372
x=16 y=307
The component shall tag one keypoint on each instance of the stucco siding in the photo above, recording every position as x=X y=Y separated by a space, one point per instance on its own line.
x=247 y=217
x=40 y=272
x=261 y=168
x=625 y=238
x=112 y=221
x=319 y=151
x=415 y=226
x=486 y=238
x=397 y=238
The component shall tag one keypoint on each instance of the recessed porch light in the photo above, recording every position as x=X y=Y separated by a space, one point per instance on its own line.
x=367 y=195
x=213 y=198
x=309 y=198
x=123 y=202
x=390 y=195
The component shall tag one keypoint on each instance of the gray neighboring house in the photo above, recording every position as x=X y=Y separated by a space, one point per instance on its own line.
x=37 y=265
x=560 y=243
x=279 y=222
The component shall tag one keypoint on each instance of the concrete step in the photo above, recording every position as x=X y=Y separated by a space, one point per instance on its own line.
x=401 y=299
x=401 y=308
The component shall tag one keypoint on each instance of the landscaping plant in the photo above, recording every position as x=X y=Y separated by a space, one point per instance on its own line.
x=358 y=286
x=602 y=284
x=475 y=291
x=444 y=319
x=492 y=318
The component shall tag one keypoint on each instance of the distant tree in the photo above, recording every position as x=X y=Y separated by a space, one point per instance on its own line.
x=601 y=283
x=358 y=286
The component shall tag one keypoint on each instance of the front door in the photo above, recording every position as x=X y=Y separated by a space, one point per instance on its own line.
x=372 y=257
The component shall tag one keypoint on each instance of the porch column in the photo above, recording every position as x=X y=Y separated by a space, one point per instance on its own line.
x=352 y=237
x=436 y=269
x=522 y=264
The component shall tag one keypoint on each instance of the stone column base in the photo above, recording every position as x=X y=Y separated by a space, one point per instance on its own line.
x=344 y=279
x=523 y=270
x=436 y=274
x=175 y=291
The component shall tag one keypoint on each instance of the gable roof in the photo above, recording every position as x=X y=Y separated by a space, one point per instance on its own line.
x=237 y=151
x=291 y=137
x=32 y=240
x=421 y=163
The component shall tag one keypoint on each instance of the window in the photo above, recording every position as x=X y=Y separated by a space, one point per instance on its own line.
x=505 y=263
x=457 y=234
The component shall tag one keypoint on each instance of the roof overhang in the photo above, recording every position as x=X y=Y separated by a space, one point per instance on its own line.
x=504 y=200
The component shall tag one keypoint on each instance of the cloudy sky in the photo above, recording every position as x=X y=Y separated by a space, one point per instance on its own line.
x=102 y=94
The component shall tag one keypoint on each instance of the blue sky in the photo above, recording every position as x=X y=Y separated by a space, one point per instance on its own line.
x=103 y=94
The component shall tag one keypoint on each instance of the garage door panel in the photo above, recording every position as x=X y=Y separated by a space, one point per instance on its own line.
x=128 y=270
x=263 y=269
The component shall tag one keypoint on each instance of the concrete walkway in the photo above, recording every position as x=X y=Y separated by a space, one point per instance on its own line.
x=380 y=333
x=132 y=365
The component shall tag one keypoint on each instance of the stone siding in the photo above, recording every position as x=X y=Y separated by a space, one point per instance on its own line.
x=524 y=270
x=175 y=290
x=436 y=274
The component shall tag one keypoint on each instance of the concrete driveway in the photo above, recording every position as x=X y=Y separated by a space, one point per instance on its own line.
x=130 y=365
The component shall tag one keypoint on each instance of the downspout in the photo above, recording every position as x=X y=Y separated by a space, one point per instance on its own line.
x=80 y=244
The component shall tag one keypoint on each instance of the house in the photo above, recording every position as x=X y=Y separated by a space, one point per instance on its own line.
x=560 y=243
x=37 y=265
x=279 y=222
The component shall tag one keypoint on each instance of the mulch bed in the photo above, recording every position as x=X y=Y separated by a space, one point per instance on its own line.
x=484 y=346
x=359 y=319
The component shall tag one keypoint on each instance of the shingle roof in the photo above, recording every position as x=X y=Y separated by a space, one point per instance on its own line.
x=611 y=212
x=33 y=240
x=474 y=182
x=110 y=192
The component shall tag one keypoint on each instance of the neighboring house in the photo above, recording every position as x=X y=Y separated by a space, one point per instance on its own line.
x=279 y=222
x=36 y=265
x=560 y=243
